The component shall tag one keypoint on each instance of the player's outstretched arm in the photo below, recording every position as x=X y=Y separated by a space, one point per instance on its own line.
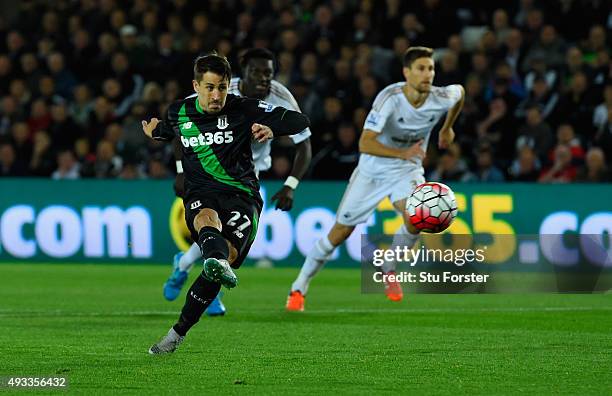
x=293 y=122
x=284 y=196
x=158 y=130
x=282 y=121
x=368 y=144
x=447 y=134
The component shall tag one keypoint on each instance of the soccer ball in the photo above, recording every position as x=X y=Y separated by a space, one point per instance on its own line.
x=432 y=207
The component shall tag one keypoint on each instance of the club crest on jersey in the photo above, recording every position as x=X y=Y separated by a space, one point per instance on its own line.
x=187 y=125
x=222 y=122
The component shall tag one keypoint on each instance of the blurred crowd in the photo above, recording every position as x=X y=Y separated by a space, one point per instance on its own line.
x=77 y=77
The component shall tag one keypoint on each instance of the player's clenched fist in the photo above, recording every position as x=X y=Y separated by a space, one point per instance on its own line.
x=148 y=127
x=261 y=133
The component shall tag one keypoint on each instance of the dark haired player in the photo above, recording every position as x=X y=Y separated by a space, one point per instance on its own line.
x=392 y=146
x=258 y=67
x=222 y=201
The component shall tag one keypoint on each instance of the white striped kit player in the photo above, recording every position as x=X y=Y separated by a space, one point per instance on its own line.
x=399 y=125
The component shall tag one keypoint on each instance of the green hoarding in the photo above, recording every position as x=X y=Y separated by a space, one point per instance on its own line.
x=140 y=221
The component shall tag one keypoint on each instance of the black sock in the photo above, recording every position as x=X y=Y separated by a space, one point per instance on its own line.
x=212 y=244
x=199 y=297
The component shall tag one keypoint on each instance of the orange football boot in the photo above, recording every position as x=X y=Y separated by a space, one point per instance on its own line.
x=393 y=290
x=295 y=301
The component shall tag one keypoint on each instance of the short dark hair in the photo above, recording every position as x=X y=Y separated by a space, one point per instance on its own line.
x=414 y=53
x=211 y=63
x=256 y=53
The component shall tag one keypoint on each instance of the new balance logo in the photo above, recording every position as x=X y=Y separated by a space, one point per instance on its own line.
x=222 y=122
x=187 y=125
x=195 y=204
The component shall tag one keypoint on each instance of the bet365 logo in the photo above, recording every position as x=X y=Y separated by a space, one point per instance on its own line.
x=208 y=138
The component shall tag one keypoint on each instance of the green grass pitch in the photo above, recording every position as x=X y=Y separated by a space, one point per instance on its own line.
x=94 y=324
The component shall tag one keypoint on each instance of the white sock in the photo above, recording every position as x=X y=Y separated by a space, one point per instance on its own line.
x=401 y=238
x=315 y=260
x=190 y=257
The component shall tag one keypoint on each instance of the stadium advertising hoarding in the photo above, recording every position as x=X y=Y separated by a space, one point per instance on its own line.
x=141 y=221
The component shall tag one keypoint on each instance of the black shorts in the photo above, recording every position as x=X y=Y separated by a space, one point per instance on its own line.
x=239 y=215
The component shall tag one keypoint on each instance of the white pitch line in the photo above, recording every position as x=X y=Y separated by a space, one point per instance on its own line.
x=18 y=313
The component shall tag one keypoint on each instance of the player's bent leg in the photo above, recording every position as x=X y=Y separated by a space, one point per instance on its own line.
x=216 y=307
x=214 y=248
x=199 y=297
x=315 y=260
x=201 y=293
x=218 y=250
x=239 y=236
x=219 y=270
x=191 y=256
x=360 y=199
x=318 y=256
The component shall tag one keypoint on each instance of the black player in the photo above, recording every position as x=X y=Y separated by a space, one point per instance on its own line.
x=222 y=201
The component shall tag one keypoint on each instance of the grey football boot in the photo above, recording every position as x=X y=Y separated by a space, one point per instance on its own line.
x=168 y=344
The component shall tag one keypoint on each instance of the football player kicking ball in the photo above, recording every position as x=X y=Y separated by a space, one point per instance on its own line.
x=222 y=200
x=392 y=146
x=257 y=66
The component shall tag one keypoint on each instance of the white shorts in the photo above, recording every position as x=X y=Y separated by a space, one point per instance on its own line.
x=363 y=194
